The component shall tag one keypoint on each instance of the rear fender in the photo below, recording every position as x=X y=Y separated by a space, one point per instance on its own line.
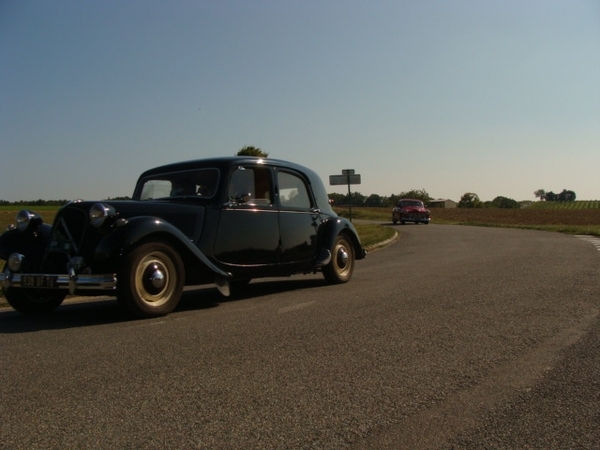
x=339 y=225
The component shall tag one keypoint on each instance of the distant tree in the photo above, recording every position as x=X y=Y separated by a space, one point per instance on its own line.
x=419 y=194
x=540 y=193
x=566 y=196
x=249 y=150
x=391 y=201
x=356 y=199
x=504 y=202
x=39 y=202
x=470 y=200
x=374 y=200
x=338 y=199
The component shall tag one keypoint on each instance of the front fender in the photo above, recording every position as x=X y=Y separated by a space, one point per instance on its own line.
x=30 y=244
x=143 y=228
x=335 y=226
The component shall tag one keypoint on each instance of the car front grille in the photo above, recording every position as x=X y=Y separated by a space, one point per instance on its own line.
x=68 y=233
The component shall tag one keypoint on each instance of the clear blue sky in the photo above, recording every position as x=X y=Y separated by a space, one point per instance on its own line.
x=500 y=98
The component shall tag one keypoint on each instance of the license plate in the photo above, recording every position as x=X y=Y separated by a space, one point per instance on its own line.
x=39 y=281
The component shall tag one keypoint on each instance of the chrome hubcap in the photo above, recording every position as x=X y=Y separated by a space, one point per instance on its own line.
x=157 y=278
x=154 y=278
x=342 y=258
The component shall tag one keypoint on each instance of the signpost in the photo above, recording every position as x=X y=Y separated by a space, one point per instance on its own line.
x=347 y=177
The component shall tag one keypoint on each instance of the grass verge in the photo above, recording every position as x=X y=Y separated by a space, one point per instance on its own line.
x=372 y=235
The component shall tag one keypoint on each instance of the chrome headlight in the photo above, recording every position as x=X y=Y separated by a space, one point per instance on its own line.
x=15 y=262
x=25 y=218
x=99 y=213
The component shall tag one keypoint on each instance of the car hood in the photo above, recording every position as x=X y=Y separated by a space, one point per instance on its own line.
x=132 y=208
x=412 y=208
x=182 y=214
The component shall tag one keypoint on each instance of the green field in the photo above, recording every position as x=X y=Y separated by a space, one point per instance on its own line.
x=579 y=217
x=584 y=204
x=8 y=214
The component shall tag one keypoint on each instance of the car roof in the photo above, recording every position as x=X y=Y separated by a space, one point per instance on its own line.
x=227 y=162
x=222 y=163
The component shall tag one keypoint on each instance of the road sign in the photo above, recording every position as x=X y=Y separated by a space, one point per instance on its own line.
x=344 y=179
x=347 y=177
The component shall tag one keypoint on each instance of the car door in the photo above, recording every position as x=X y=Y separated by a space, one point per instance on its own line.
x=298 y=218
x=248 y=231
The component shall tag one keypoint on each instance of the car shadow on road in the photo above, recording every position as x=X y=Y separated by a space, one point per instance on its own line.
x=90 y=311
x=204 y=297
x=71 y=314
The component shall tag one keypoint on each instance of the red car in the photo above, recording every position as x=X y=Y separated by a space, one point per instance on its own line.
x=410 y=210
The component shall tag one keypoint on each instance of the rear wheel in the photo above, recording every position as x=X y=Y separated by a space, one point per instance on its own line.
x=33 y=302
x=341 y=266
x=150 y=280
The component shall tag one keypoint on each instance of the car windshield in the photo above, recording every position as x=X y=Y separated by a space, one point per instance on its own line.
x=410 y=203
x=197 y=183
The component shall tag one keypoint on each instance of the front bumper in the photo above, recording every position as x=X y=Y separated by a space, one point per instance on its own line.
x=73 y=282
x=415 y=219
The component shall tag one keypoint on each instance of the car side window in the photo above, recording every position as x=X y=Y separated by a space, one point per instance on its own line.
x=200 y=183
x=293 y=193
x=251 y=185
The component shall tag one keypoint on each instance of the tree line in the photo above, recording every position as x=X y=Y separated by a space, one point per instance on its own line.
x=564 y=196
x=468 y=199
x=374 y=200
x=41 y=202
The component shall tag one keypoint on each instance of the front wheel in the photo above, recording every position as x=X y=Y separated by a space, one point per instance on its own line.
x=150 y=280
x=34 y=302
x=341 y=266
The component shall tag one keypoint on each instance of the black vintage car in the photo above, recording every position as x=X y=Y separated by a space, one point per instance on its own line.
x=221 y=220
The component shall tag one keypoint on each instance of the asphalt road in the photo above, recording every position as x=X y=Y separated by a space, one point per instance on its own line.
x=451 y=338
